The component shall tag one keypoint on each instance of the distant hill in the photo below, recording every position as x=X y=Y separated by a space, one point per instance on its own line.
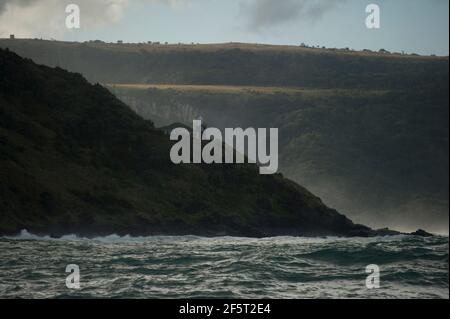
x=74 y=159
x=235 y=64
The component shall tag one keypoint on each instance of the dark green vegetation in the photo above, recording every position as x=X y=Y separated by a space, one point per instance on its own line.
x=380 y=156
x=74 y=159
x=366 y=132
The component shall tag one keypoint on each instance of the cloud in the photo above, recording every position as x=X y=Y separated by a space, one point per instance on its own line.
x=5 y=3
x=46 y=18
x=263 y=14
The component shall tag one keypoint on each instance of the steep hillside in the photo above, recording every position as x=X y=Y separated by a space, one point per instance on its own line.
x=74 y=159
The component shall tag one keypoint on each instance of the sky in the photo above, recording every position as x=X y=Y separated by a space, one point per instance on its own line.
x=413 y=26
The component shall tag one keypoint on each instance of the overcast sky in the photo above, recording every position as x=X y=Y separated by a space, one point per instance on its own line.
x=420 y=26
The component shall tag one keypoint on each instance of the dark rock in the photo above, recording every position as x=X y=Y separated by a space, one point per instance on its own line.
x=422 y=233
x=386 y=232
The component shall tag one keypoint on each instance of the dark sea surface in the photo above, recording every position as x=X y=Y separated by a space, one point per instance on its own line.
x=226 y=267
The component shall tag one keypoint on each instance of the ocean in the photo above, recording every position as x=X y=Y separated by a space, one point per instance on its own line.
x=225 y=267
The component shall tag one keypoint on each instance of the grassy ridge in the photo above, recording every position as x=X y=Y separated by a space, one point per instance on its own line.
x=230 y=89
x=212 y=47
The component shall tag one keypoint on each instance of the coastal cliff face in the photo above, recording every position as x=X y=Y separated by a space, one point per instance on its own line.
x=162 y=114
x=75 y=159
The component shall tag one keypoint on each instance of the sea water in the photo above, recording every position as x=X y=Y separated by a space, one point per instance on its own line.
x=225 y=267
